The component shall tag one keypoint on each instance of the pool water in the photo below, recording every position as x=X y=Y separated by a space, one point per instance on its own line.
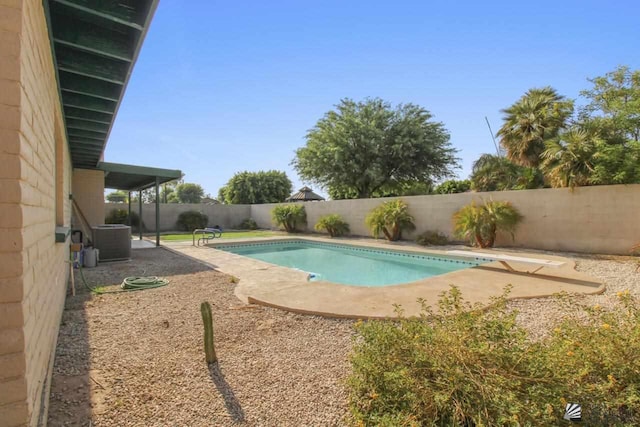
x=350 y=265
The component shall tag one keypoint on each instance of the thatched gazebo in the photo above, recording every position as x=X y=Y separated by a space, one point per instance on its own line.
x=305 y=194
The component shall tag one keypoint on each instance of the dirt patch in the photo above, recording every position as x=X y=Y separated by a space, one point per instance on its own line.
x=137 y=358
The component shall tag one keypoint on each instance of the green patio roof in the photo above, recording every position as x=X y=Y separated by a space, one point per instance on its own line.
x=95 y=45
x=119 y=176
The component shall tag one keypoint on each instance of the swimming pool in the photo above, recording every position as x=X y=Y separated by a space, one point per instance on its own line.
x=349 y=265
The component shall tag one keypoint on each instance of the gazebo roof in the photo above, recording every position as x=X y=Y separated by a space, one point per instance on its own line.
x=305 y=194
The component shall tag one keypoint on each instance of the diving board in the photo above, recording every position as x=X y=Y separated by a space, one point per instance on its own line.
x=506 y=259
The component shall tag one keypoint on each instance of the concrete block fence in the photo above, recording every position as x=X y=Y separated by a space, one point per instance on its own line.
x=598 y=219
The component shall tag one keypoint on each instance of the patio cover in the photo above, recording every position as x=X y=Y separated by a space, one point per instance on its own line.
x=95 y=45
x=119 y=176
x=130 y=178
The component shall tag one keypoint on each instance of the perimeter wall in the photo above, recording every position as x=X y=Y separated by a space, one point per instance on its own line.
x=597 y=219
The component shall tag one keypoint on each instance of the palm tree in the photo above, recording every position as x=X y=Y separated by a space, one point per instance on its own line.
x=536 y=117
x=480 y=223
x=496 y=173
x=568 y=158
x=391 y=219
x=493 y=173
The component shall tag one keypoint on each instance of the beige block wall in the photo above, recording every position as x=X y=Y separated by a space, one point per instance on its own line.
x=13 y=385
x=88 y=192
x=33 y=271
x=226 y=216
x=598 y=219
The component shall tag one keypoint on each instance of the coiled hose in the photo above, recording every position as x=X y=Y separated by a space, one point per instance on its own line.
x=129 y=284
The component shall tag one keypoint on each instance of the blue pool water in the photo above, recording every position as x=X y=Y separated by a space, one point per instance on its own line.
x=349 y=265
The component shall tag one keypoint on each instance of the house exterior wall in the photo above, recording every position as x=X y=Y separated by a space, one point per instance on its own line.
x=33 y=271
x=88 y=192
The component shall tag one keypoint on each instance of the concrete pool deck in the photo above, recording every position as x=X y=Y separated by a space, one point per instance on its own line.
x=274 y=286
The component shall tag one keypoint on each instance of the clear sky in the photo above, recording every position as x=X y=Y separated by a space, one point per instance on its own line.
x=222 y=87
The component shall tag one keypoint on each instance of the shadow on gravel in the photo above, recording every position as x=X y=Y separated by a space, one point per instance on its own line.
x=70 y=397
x=230 y=400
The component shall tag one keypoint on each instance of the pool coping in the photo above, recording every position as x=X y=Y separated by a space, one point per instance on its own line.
x=287 y=289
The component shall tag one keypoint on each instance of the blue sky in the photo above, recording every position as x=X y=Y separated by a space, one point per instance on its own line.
x=222 y=87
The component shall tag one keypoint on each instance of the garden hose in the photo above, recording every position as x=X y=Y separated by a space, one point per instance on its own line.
x=129 y=284
x=139 y=283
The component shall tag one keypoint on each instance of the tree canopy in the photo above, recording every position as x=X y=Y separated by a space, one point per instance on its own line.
x=361 y=148
x=453 y=186
x=614 y=105
x=537 y=116
x=117 y=196
x=497 y=173
x=189 y=193
x=256 y=188
x=547 y=145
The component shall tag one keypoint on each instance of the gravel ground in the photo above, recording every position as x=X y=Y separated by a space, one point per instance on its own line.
x=136 y=359
x=539 y=315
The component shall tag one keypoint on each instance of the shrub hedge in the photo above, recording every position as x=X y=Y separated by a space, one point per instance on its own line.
x=190 y=220
x=466 y=366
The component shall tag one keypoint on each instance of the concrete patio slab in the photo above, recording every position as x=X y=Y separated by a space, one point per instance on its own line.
x=288 y=289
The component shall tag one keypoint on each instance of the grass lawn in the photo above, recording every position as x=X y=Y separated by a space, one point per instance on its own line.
x=226 y=235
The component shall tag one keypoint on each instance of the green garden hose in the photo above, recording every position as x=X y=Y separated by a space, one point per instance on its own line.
x=139 y=283
x=129 y=284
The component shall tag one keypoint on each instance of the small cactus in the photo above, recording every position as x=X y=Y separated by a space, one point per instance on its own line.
x=207 y=319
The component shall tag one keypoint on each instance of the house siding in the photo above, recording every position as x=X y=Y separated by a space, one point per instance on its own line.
x=33 y=268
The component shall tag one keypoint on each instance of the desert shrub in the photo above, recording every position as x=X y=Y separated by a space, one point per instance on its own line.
x=332 y=224
x=121 y=216
x=190 y=220
x=390 y=219
x=466 y=366
x=430 y=237
x=289 y=216
x=248 y=224
x=479 y=224
x=596 y=361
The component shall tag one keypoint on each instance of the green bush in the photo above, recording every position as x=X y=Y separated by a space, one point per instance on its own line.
x=429 y=238
x=289 y=216
x=466 y=366
x=248 y=224
x=332 y=224
x=479 y=224
x=390 y=219
x=453 y=186
x=121 y=216
x=190 y=220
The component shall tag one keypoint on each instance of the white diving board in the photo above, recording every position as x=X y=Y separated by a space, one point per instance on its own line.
x=506 y=259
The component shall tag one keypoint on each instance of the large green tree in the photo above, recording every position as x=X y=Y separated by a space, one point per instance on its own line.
x=362 y=147
x=616 y=163
x=256 y=187
x=117 y=196
x=614 y=105
x=536 y=117
x=189 y=193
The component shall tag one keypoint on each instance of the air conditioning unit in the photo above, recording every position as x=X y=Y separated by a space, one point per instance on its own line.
x=113 y=241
